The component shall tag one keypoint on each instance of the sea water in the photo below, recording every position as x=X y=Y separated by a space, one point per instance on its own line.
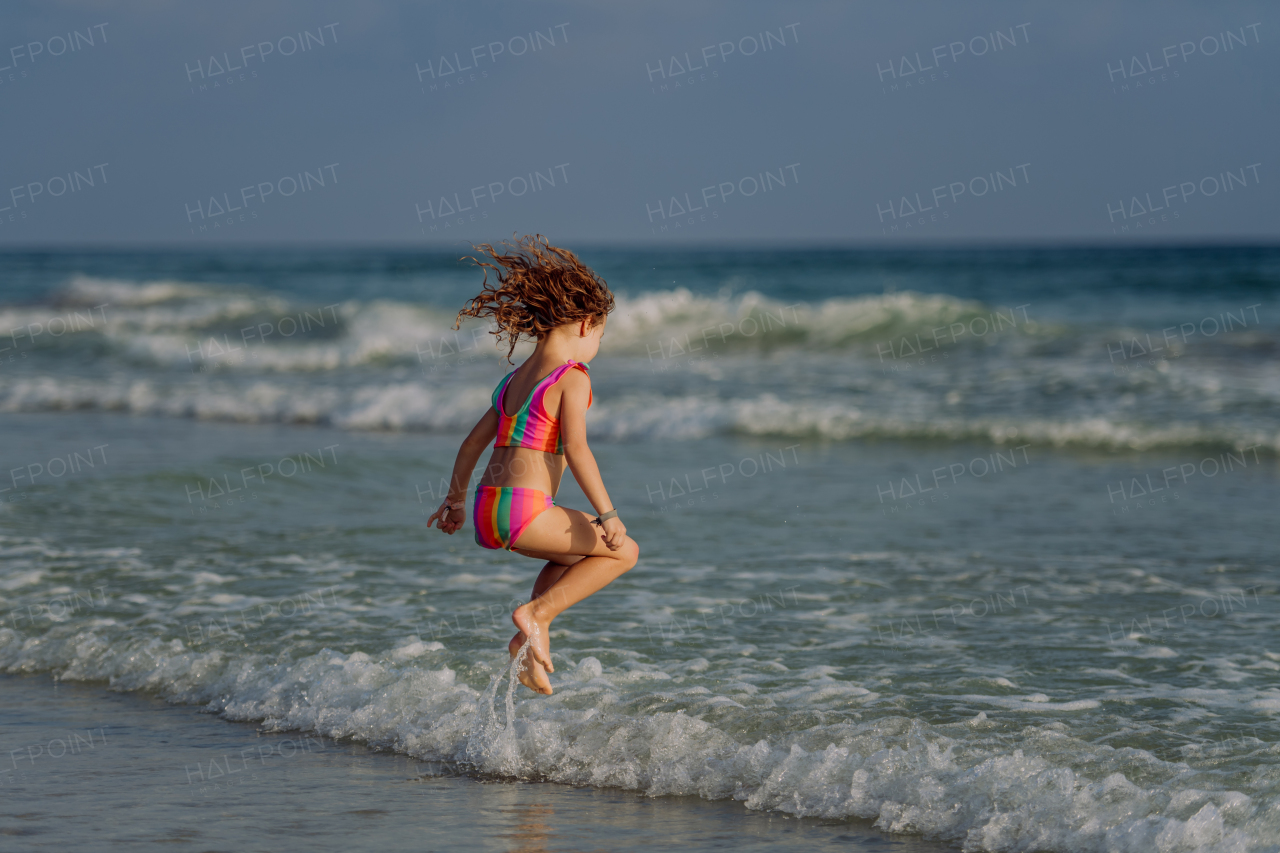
x=974 y=545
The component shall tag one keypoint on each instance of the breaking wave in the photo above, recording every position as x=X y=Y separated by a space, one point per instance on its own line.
x=682 y=366
x=1039 y=790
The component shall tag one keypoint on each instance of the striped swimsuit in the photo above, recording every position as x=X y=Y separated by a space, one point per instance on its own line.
x=503 y=512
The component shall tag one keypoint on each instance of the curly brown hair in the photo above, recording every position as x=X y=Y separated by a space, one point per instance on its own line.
x=539 y=287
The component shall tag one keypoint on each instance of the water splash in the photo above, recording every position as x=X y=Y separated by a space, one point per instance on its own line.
x=493 y=746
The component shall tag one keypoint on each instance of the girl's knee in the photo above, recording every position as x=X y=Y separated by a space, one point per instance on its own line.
x=629 y=553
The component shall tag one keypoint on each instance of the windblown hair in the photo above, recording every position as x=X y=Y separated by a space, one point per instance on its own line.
x=539 y=287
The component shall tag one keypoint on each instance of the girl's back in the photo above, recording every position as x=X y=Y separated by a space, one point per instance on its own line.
x=529 y=449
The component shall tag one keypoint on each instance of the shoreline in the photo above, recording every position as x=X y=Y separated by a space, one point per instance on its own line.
x=211 y=784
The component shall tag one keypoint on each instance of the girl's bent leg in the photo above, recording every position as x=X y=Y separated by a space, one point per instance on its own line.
x=551 y=572
x=531 y=674
x=561 y=534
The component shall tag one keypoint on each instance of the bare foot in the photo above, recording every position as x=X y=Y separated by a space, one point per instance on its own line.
x=530 y=672
x=540 y=648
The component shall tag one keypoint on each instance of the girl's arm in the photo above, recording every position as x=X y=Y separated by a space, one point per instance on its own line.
x=573 y=432
x=485 y=430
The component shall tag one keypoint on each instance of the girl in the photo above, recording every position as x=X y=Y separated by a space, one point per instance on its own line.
x=547 y=294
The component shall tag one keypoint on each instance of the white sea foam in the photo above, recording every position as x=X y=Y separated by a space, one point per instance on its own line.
x=165 y=321
x=1035 y=703
x=692 y=366
x=420 y=405
x=1046 y=792
x=87 y=290
x=680 y=321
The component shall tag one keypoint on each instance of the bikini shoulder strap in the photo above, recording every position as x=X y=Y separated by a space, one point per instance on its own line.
x=497 y=393
x=556 y=375
x=565 y=368
x=586 y=370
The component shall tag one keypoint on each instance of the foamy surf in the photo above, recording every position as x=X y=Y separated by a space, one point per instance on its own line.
x=676 y=366
x=166 y=321
x=417 y=405
x=1039 y=790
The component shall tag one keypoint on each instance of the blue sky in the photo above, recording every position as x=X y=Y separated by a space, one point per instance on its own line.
x=659 y=123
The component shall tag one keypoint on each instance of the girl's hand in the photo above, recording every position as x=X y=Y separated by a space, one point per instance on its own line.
x=614 y=533
x=448 y=520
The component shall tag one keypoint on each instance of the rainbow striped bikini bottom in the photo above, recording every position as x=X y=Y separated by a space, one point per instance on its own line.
x=501 y=513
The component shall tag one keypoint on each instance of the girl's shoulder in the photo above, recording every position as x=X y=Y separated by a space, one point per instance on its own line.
x=566 y=371
x=576 y=380
x=577 y=373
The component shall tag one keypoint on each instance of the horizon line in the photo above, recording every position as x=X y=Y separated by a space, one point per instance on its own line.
x=753 y=246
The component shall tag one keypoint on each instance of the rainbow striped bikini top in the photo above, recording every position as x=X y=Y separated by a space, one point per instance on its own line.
x=533 y=426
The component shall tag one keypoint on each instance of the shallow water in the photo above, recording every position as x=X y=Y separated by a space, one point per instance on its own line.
x=1015 y=599
x=108 y=771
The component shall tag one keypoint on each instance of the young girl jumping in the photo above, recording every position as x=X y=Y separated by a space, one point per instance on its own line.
x=546 y=294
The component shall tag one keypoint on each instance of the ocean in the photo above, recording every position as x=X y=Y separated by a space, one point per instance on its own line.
x=939 y=548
